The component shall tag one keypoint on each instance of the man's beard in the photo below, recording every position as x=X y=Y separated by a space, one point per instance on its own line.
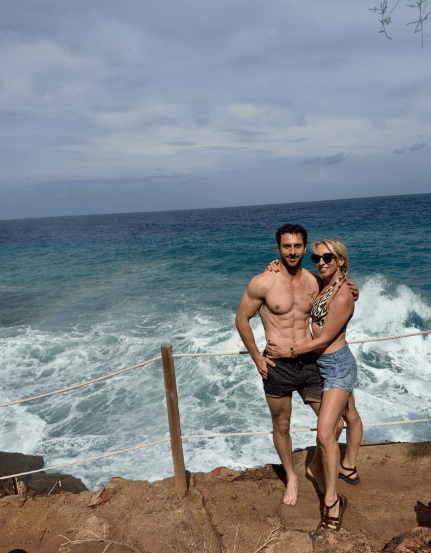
x=292 y=266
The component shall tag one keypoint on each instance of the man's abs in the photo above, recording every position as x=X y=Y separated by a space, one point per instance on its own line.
x=285 y=312
x=287 y=330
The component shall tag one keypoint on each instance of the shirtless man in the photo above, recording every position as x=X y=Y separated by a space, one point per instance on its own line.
x=284 y=300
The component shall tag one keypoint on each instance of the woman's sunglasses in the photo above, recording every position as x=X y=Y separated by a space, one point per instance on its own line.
x=327 y=258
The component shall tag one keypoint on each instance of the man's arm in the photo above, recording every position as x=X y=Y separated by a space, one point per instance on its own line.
x=250 y=304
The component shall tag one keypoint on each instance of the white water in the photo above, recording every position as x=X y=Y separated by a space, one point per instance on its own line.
x=222 y=394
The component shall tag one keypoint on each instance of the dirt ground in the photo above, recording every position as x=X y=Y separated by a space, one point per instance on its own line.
x=227 y=511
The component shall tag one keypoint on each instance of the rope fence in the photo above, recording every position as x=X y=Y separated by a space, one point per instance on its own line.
x=193 y=437
x=76 y=386
x=173 y=414
x=421 y=333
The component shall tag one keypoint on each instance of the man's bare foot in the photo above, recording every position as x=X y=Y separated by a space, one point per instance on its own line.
x=291 y=495
x=317 y=475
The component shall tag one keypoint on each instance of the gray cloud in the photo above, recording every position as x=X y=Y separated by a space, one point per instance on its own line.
x=380 y=123
x=244 y=135
x=180 y=143
x=296 y=140
x=413 y=148
x=244 y=132
x=328 y=160
x=418 y=146
x=93 y=90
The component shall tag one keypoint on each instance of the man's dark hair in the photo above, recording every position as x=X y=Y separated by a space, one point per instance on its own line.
x=291 y=229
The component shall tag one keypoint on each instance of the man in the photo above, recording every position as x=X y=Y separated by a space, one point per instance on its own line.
x=284 y=300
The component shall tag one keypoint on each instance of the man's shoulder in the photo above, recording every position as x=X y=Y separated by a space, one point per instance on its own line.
x=263 y=282
x=265 y=278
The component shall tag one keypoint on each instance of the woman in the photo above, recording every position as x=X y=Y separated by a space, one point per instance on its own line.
x=330 y=314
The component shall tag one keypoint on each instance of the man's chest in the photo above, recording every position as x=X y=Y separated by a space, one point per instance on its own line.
x=284 y=297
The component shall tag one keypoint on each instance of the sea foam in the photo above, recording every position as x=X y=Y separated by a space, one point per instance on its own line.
x=216 y=394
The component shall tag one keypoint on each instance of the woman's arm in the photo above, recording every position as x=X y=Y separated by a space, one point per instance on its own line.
x=339 y=312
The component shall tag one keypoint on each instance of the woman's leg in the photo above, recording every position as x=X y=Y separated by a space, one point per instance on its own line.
x=353 y=437
x=334 y=401
x=315 y=468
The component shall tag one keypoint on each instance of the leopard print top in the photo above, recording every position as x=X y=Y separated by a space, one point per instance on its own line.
x=319 y=310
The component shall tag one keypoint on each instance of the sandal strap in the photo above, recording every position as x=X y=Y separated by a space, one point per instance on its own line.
x=327 y=521
x=333 y=505
x=323 y=525
x=354 y=470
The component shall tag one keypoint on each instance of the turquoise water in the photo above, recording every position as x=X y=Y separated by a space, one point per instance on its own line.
x=84 y=296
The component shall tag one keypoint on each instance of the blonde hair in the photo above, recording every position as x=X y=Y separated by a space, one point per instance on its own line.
x=336 y=247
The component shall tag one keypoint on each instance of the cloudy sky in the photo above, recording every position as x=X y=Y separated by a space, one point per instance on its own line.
x=111 y=106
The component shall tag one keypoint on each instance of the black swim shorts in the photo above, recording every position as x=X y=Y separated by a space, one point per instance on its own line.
x=299 y=374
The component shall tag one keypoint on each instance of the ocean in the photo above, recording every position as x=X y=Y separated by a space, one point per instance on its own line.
x=88 y=295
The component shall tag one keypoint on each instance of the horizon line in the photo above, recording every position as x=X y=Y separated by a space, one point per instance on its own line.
x=212 y=208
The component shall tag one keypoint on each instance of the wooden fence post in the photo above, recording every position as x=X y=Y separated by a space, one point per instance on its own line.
x=174 y=421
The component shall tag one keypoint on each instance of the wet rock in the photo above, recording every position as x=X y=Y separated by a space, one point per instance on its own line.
x=39 y=483
x=15 y=463
x=54 y=483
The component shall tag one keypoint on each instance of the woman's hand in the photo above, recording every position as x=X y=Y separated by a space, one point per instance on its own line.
x=274 y=266
x=272 y=350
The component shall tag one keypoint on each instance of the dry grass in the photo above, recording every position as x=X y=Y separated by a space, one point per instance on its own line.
x=99 y=539
x=268 y=540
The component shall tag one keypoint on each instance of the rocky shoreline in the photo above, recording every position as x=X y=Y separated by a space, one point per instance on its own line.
x=225 y=511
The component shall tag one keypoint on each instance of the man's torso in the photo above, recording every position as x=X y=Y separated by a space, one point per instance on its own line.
x=285 y=311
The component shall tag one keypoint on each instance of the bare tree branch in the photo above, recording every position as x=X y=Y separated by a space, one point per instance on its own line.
x=421 y=5
x=385 y=16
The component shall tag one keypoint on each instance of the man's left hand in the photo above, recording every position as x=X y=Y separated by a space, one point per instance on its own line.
x=353 y=289
x=274 y=266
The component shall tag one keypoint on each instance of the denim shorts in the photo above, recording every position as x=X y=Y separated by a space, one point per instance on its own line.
x=338 y=369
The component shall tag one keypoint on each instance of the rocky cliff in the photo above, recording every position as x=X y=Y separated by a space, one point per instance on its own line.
x=226 y=511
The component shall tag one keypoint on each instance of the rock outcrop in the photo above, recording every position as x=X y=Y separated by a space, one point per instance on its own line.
x=39 y=483
x=227 y=511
